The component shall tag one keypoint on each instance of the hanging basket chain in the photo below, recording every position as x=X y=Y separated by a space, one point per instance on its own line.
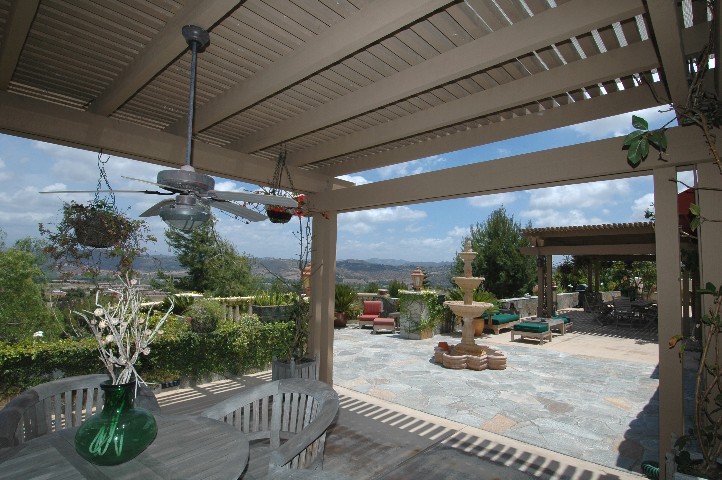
x=278 y=172
x=103 y=179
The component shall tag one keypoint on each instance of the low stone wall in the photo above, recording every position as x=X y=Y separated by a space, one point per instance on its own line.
x=527 y=306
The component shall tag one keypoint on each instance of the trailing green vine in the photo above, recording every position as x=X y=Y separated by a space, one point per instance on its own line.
x=434 y=311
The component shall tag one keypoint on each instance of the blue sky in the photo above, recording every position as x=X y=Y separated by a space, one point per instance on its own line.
x=425 y=232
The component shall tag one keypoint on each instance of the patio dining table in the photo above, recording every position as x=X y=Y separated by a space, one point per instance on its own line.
x=187 y=447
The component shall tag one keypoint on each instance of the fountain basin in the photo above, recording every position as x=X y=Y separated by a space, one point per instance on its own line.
x=475 y=309
x=467 y=284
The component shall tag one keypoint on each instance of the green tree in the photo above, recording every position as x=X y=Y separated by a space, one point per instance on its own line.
x=22 y=309
x=631 y=278
x=214 y=266
x=497 y=241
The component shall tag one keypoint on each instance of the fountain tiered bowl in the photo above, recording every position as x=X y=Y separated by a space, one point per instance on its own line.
x=468 y=354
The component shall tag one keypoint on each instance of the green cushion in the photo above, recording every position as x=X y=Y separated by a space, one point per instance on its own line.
x=562 y=317
x=536 y=327
x=502 y=318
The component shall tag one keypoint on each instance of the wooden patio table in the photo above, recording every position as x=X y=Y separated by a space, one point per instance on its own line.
x=186 y=447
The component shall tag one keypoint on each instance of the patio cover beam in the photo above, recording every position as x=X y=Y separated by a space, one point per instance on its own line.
x=571 y=114
x=159 y=52
x=639 y=57
x=666 y=25
x=28 y=118
x=13 y=40
x=530 y=34
x=600 y=160
x=355 y=33
x=626 y=249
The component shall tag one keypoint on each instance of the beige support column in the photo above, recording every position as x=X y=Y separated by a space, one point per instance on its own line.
x=709 y=233
x=323 y=289
x=671 y=414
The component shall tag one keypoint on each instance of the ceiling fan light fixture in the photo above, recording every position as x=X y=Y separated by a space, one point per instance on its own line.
x=185 y=217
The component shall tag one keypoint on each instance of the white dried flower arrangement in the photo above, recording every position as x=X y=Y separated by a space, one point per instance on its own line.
x=122 y=331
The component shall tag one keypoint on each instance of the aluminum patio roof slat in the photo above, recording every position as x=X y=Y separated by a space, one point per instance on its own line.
x=111 y=38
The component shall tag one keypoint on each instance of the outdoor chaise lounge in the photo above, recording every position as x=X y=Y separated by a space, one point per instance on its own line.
x=372 y=310
x=497 y=321
x=568 y=324
x=535 y=330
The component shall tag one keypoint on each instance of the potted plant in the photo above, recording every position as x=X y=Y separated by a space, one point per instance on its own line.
x=87 y=231
x=344 y=302
x=296 y=363
x=272 y=306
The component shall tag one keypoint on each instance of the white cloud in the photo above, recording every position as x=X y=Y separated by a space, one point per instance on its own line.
x=550 y=217
x=586 y=195
x=619 y=125
x=685 y=178
x=4 y=174
x=413 y=167
x=495 y=199
x=640 y=205
x=459 y=232
x=356 y=179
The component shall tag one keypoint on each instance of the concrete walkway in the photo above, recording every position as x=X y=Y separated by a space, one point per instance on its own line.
x=592 y=396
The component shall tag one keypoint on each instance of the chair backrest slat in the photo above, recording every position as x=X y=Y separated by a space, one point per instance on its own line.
x=300 y=412
x=55 y=406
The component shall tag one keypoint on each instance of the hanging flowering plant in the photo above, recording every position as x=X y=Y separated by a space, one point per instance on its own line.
x=123 y=331
x=278 y=213
x=87 y=231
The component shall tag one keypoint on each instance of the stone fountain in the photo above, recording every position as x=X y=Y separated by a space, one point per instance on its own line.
x=468 y=354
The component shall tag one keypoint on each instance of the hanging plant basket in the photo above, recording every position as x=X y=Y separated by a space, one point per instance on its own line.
x=97 y=228
x=279 y=214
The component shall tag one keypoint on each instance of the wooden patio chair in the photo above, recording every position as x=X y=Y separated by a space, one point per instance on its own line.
x=285 y=421
x=624 y=314
x=56 y=405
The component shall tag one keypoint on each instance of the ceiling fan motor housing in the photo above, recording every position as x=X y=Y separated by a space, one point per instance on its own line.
x=185 y=180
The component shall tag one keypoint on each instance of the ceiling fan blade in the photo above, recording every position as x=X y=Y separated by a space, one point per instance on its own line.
x=167 y=187
x=254 y=198
x=239 y=211
x=156 y=208
x=150 y=192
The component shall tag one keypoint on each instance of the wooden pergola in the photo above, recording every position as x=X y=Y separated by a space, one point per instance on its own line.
x=620 y=241
x=351 y=85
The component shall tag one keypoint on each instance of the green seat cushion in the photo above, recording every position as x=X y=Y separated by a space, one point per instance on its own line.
x=562 y=317
x=502 y=318
x=536 y=327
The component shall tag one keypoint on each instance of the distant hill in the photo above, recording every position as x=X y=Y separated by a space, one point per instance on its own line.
x=359 y=272
x=355 y=272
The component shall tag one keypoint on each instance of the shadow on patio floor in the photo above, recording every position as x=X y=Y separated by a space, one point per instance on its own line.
x=375 y=439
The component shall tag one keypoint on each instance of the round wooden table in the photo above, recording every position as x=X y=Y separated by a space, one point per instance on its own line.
x=186 y=447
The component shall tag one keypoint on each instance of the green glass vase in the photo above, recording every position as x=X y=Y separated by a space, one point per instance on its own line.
x=119 y=432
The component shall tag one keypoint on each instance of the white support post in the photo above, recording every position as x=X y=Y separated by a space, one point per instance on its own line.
x=323 y=289
x=671 y=418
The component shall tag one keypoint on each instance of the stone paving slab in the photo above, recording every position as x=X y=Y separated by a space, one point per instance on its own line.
x=599 y=409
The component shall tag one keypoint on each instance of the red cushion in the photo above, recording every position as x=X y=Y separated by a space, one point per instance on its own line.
x=384 y=321
x=372 y=307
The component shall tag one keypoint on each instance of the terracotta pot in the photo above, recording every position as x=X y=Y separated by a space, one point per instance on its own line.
x=340 y=320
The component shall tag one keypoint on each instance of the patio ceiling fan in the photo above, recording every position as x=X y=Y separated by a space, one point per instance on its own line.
x=194 y=192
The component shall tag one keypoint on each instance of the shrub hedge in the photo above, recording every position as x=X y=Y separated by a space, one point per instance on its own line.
x=234 y=348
